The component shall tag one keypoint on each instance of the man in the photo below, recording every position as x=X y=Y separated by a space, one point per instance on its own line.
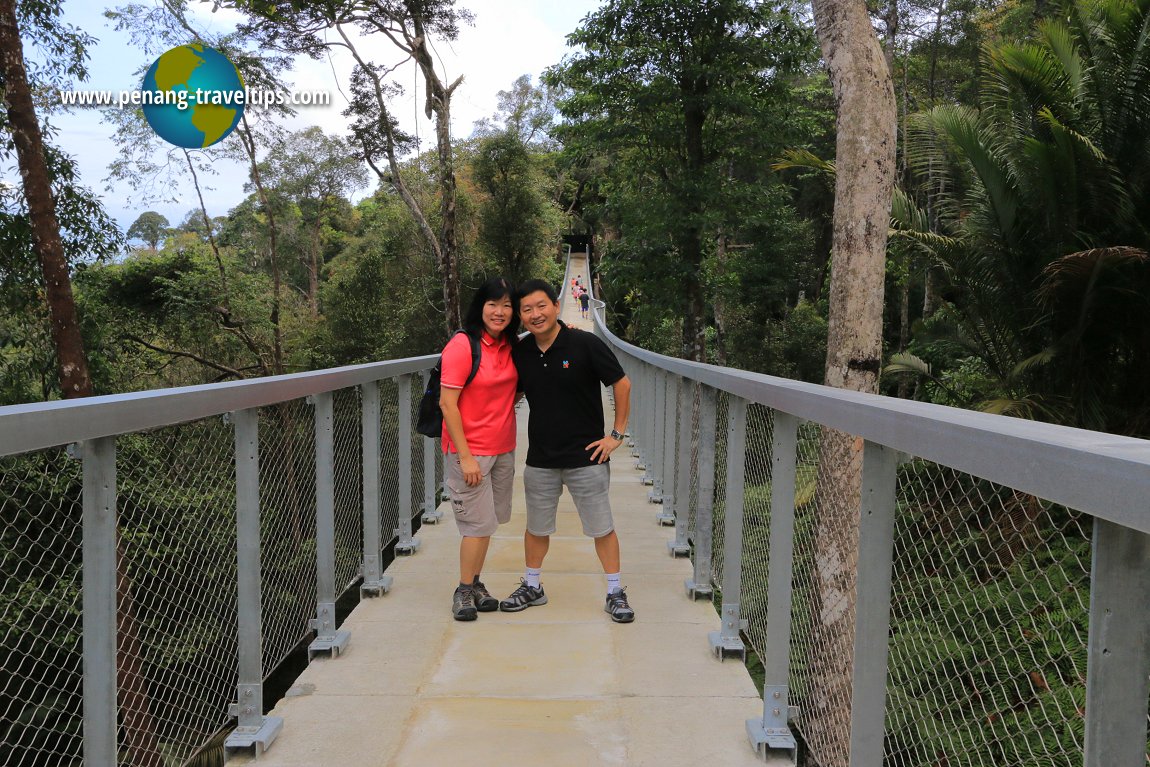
x=560 y=371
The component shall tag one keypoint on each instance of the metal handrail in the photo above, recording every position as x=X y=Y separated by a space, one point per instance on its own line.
x=1105 y=475
x=24 y=428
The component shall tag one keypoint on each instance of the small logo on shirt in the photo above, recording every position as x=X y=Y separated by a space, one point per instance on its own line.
x=566 y=364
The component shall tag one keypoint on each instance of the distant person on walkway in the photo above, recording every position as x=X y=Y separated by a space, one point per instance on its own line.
x=562 y=371
x=479 y=435
x=584 y=302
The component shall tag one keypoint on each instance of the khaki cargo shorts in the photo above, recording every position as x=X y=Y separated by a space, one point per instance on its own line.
x=479 y=510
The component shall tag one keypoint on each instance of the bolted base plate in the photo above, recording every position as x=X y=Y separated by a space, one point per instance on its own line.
x=375 y=588
x=251 y=737
x=771 y=742
x=725 y=647
x=697 y=590
x=678 y=549
x=333 y=644
x=407 y=548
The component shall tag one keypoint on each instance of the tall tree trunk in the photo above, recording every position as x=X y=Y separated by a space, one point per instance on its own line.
x=445 y=263
x=249 y=142
x=439 y=105
x=313 y=268
x=719 y=303
x=225 y=315
x=865 y=161
x=691 y=242
x=72 y=363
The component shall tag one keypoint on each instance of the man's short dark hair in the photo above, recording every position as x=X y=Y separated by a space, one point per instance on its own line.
x=530 y=286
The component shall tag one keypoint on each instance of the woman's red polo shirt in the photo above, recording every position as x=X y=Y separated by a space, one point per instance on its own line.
x=487 y=404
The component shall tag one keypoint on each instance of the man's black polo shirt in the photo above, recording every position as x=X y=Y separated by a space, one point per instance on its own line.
x=562 y=386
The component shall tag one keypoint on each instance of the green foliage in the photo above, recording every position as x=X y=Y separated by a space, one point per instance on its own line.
x=1043 y=199
x=159 y=319
x=678 y=108
x=518 y=222
x=150 y=227
x=379 y=296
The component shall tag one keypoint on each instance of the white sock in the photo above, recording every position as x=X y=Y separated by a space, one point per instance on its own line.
x=532 y=578
x=613 y=582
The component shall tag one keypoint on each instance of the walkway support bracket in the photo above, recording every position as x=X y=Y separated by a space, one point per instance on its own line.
x=327 y=639
x=253 y=729
x=681 y=473
x=728 y=641
x=99 y=597
x=431 y=513
x=1118 y=656
x=406 y=543
x=700 y=584
x=374 y=581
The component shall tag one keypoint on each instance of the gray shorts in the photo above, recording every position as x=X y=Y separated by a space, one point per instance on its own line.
x=589 y=487
x=482 y=508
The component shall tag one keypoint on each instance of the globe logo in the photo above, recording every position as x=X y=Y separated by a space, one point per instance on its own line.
x=194 y=96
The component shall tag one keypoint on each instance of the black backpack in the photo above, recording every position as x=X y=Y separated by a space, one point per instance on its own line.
x=430 y=423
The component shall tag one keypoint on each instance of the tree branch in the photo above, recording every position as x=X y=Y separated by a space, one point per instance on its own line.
x=188 y=355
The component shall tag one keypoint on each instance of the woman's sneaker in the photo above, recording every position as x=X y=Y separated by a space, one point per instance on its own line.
x=523 y=597
x=618 y=608
x=463 y=604
x=484 y=602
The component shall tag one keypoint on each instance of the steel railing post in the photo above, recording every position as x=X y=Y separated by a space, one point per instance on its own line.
x=99 y=598
x=253 y=729
x=700 y=585
x=772 y=731
x=1118 y=654
x=657 y=465
x=638 y=426
x=374 y=581
x=327 y=638
x=431 y=512
x=727 y=639
x=664 y=481
x=406 y=543
x=646 y=408
x=872 y=604
x=683 y=471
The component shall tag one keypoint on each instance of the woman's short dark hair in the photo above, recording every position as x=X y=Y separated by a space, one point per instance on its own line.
x=492 y=290
x=530 y=286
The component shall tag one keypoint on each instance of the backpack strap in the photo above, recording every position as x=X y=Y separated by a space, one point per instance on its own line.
x=475 y=354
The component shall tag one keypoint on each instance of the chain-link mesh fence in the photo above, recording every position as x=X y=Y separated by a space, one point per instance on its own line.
x=287 y=526
x=176 y=585
x=989 y=608
x=176 y=633
x=41 y=694
x=347 y=443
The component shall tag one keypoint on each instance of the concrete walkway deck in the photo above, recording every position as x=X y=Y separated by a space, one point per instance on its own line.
x=556 y=685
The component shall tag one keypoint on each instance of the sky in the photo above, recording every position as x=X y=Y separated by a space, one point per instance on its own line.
x=510 y=38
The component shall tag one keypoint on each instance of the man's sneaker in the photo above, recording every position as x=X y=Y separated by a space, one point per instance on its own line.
x=463 y=605
x=618 y=608
x=484 y=602
x=523 y=597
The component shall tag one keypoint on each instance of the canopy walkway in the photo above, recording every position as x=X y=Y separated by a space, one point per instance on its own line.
x=982 y=597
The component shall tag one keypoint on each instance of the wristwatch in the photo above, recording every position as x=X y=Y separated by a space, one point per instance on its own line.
x=616 y=435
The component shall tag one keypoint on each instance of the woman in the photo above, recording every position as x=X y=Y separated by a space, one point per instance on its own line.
x=479 y=435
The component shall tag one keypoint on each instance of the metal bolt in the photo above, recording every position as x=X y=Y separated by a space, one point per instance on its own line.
x=247 y=710
x=777 y=695
x=247 y=693
x=775 y=712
